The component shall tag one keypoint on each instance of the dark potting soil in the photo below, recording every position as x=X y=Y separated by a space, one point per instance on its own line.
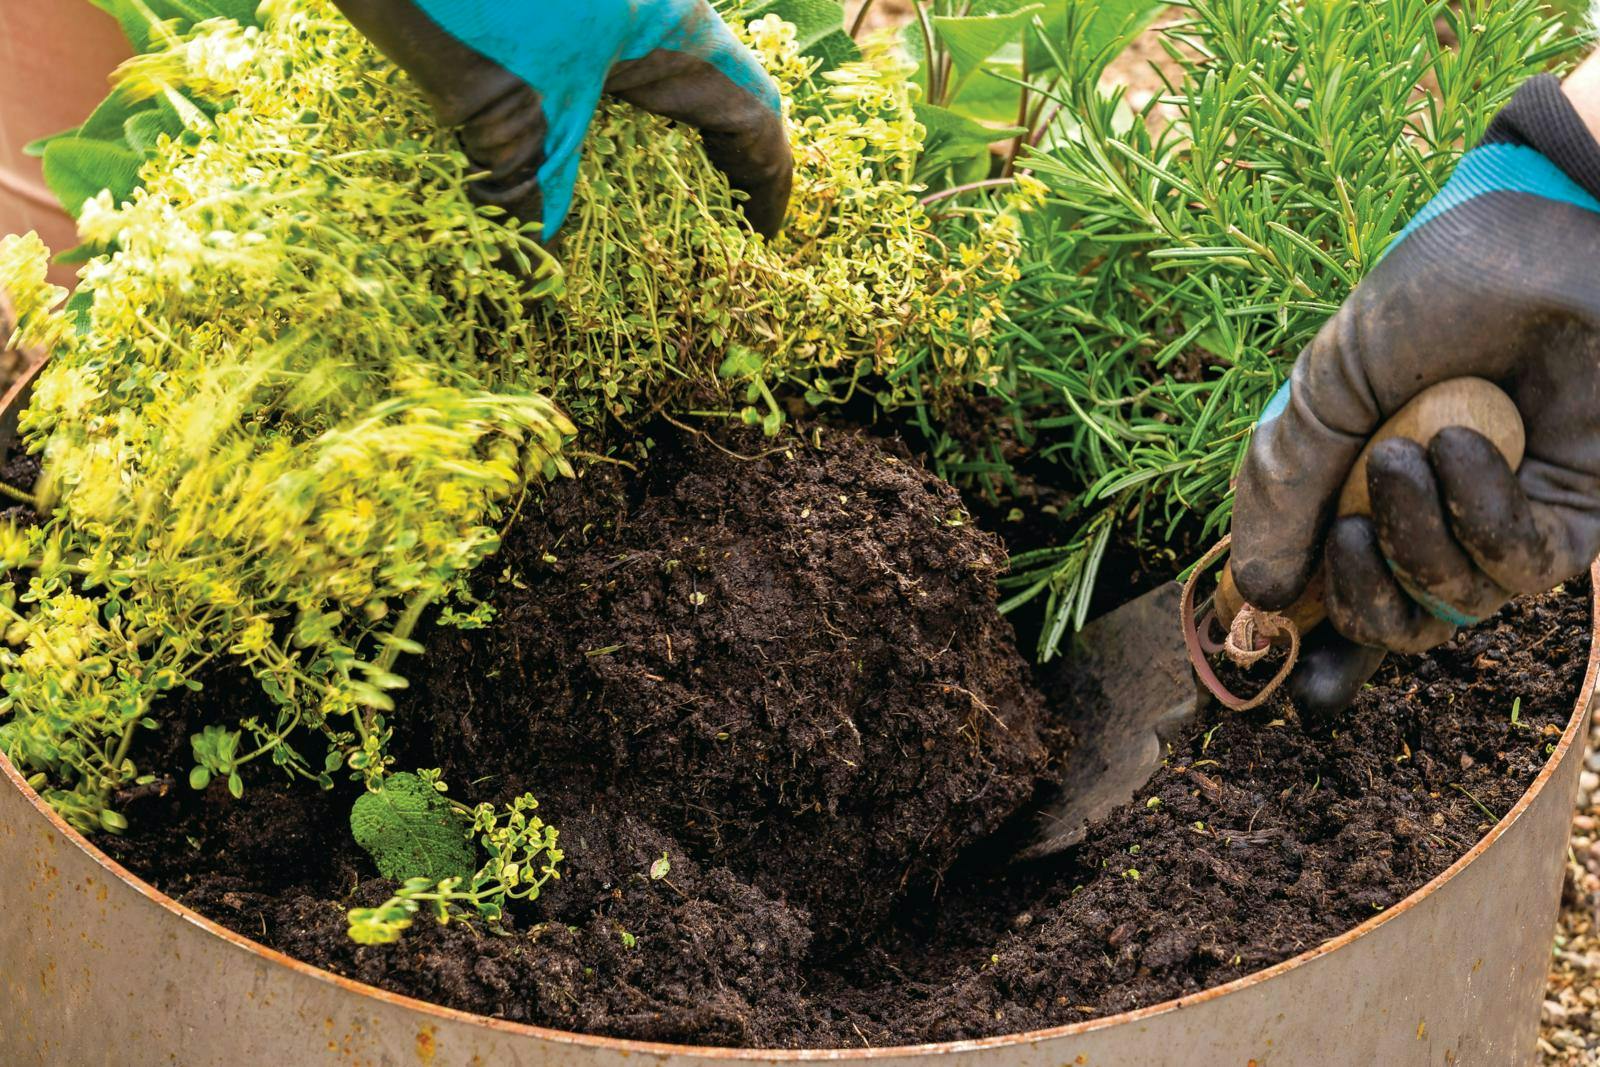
x=787 y=674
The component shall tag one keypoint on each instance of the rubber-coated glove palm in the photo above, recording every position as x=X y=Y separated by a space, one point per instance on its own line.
x=1499 y=278
x=522 y=79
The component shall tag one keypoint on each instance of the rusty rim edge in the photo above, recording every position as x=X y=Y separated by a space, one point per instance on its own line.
x=1568 y=737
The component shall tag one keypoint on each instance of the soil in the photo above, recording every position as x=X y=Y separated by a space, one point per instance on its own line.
x=787 y=674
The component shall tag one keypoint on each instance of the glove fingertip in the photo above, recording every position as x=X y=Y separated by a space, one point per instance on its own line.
x=1270 y=584
x=1330 y=676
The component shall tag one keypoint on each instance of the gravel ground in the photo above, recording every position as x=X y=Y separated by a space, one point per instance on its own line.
x=1569 y=1034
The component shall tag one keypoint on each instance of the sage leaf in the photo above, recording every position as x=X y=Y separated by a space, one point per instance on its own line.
x=411 y=831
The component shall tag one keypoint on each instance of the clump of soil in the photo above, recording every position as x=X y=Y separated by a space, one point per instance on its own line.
x=840 y=586
x=794 y=655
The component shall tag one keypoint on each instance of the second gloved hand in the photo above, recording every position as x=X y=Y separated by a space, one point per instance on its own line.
x=522 y=80
x=1498 y=278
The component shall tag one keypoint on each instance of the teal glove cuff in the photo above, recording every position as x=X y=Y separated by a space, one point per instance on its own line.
x=566 y=50
x=1496 y=168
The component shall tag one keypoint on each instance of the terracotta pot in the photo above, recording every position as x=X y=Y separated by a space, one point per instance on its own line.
x=97 y=967
x=55 y=56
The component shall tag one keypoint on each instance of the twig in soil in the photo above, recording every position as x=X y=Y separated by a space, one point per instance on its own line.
x=595 y=457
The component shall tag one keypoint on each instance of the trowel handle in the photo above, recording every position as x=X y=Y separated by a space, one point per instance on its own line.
x=1472 y=403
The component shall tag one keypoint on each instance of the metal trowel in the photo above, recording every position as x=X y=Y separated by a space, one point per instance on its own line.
x=1132 y=677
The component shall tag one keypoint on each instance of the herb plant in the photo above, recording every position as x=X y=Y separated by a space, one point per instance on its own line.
x=285 y=414
x=1180 y=266
x=304 y=383
x=663 y=282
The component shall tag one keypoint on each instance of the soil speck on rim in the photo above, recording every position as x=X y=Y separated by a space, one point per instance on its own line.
x=841 y=862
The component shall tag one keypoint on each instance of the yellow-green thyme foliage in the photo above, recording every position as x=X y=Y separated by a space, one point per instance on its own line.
x=663 y=279
x=292 y=413
x=305 y=386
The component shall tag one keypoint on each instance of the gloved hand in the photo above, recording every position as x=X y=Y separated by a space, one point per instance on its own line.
x=522 y=79
x=1498 y=277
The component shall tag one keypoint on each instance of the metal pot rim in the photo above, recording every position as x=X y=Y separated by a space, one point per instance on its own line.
x=624 y=1046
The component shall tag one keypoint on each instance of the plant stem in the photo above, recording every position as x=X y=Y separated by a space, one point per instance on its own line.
x=403 y=629
x=124 y=744
x=861 y=18
x=19 y=496
x=958 y=190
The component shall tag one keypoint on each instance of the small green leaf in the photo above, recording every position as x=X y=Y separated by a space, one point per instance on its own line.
x=741 y=362
x=412 y=832
x=199 y=778
x=660 y=868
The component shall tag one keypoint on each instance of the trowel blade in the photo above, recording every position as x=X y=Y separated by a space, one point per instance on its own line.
x=1131 y=689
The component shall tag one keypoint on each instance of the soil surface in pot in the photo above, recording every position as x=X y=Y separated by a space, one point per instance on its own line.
x=787 y=674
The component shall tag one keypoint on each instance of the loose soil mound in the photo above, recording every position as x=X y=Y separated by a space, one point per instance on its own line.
x=794 y=663
x=847 y=618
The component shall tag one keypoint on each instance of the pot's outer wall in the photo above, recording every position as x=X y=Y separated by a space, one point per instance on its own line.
x=96 y=968
x=55 y=58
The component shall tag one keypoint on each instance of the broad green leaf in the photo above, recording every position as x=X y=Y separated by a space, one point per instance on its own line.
x=241 y=11
x=139 y=19
x=106 y=121
x=36 y=148
x=410 y=831
x=1103 y=26
x=988 y=96
x=143 y=131
x=973 y=39
x=954 y=138
x=78 y=168
x=79 y=254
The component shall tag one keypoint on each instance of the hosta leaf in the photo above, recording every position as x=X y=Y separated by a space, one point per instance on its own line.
x=410 y=831
x=77 y=168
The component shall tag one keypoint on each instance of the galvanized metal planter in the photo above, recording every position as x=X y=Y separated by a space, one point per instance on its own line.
x=98 y=968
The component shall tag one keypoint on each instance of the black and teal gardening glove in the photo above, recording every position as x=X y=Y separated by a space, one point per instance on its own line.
x=522 y=80
x=1499 y=278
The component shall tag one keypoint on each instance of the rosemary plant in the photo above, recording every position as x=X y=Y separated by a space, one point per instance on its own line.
x=1180 y=267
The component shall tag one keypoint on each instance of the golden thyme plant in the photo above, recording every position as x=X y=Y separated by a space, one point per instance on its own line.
x=288 y=414
x=305 y=381
x=663 y=281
